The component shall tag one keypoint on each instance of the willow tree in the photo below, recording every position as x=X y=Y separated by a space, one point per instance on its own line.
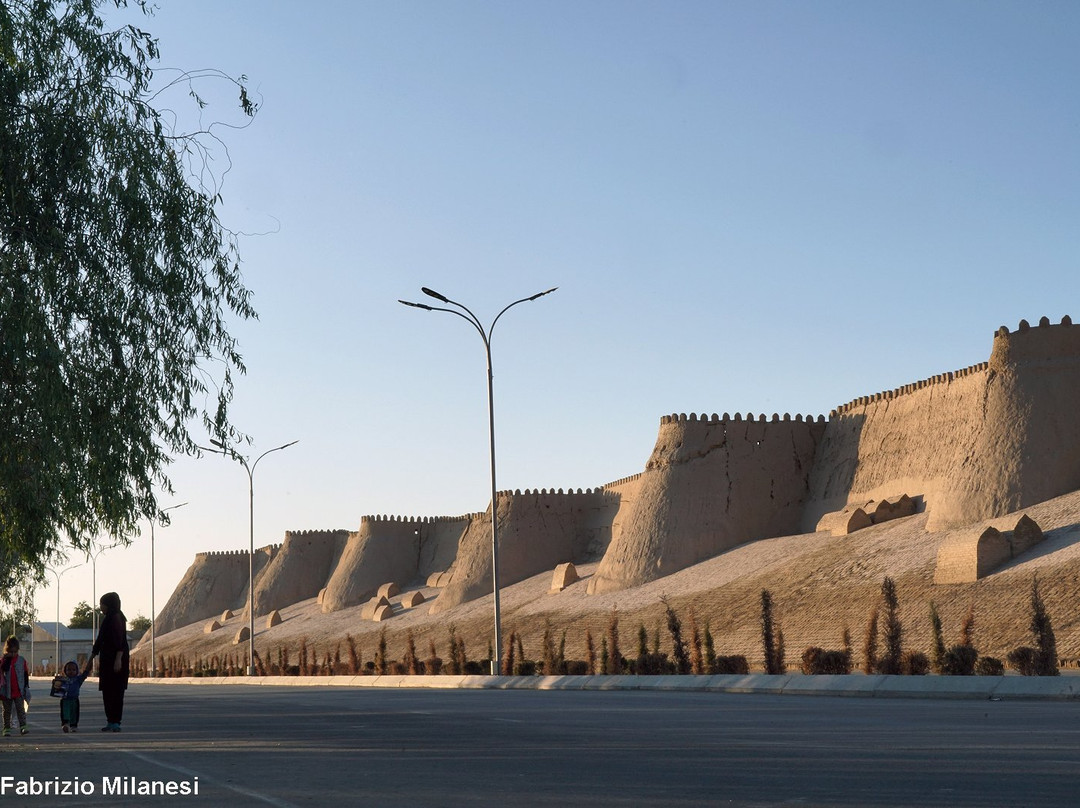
x=117 y=281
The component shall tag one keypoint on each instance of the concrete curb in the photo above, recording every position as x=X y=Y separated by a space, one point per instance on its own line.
x=1048 y=688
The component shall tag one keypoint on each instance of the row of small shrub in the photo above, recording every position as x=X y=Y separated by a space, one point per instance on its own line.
x=693 y=655
x=961 y=659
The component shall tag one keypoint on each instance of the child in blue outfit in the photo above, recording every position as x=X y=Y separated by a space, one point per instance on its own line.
x=69 y=701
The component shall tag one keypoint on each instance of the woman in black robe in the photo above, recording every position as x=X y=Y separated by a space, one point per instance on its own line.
x=112 y=645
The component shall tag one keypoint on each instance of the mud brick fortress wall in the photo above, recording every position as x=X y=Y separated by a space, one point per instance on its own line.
x=969 y=445
x=213 y=583
x=978 y=443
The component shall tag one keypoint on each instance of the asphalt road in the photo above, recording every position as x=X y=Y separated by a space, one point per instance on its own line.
x=341 y=747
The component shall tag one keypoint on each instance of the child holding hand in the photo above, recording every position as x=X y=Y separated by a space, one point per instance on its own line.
x=69 y=695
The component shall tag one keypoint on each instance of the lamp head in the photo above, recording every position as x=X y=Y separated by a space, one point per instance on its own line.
x=434 y=294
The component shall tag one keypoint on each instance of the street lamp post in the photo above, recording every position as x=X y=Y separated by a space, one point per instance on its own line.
x=93 y=585
x=57 y=575
x=485 y=335
x=153 y=611
x=250 y=469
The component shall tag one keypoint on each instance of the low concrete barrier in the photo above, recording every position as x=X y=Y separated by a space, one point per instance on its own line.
x=1059 y=688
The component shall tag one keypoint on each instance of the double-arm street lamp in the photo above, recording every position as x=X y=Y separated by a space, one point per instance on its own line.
x=92 y=557
x=57 y=575
x=464 y=313
x=153 y=611
x=250 y=469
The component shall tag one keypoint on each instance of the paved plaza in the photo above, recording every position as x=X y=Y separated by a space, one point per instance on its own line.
x=280 y=746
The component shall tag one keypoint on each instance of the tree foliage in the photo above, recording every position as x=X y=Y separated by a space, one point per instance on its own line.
x=117 y=281
x=82 y=616
x=17 y=613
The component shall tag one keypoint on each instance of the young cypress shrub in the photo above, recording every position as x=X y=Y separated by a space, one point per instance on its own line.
x=678 y=647
x=870 y=643
x=560 y=655
x=412 y=667
x=304 y=667
x=523 y=667
x=548 y=659
x=590 y=653
x=356 y=664
x=380 y=653
x=604 y=660
x=892 y=661
x=614 y=657
x=768 y=636
x=508 y=662
x=697 y=659
x=1046 y=661
x=710 y=651
x=937 y=641
x=967 y=628
x=432 y=665
x=642 y=666
x=461 y=659
x=452 y=667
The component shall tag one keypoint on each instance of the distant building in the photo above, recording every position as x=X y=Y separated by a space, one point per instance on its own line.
x=75 y=643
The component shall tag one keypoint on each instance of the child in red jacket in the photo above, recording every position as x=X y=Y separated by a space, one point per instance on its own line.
x=14 y=684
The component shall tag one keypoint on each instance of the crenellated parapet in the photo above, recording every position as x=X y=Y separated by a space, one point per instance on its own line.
x=1041 y=343
x=536 y=492
x=676 y=418
x=213 y=554
x=418 y=520
x=622 y=481
x=907 y=389
x=268 y=549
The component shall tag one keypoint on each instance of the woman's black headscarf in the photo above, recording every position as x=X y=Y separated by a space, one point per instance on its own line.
x=110 y=604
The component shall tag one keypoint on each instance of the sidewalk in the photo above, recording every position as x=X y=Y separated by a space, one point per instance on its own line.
x=1059 y=688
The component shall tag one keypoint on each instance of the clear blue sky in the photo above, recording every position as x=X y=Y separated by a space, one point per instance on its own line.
x=751 y=206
